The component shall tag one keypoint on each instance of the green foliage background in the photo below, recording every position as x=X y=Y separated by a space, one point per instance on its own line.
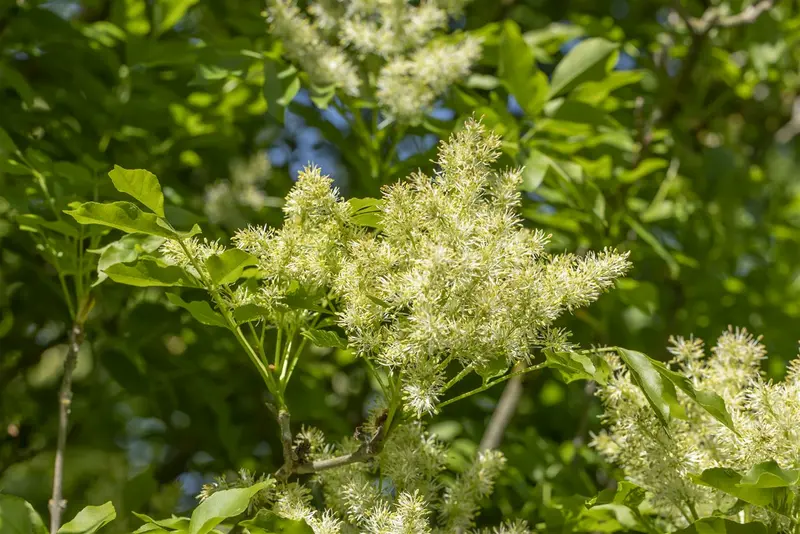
x=677 y=144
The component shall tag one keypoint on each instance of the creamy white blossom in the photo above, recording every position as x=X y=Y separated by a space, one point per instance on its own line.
x=325 y=64
x=338 y=42
x=764 y=413
x=407 y=85
x=454 y=277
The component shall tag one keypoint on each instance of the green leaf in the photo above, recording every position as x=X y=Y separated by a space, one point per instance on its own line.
x=290 y=92
x=34 y=223
x=719 y=525
x=658 y=383
x=17 y=516
x=571 y=366
x=518 y=70
x=366 y=212
x=171 y=12
x=7 y=145
x=273 y=90
x=647 y=166
x=72 y=172
x=770 y=475
x=588 y=61
x=534 y=171
x=655 y=244
x=149 y=273
x=227 y=267
x=580 y=113
x=494 y=368
x=641 y=295
x=659 y=391
x=267 y=522
x=322 y=96
x=597 y=92
x=90 y=519
x=778 y=499
x=539 y=165
x=249 y=312
x=299 y=297
x=124 y=216
x=708 y=400
x=200 y=310
x=125 y=250
x=325 y=338
x=608 y=518
x=165 y=224
x=141 y=185
x=222 y=505
x=484 y=82
x=153 y=525
x=625 y=493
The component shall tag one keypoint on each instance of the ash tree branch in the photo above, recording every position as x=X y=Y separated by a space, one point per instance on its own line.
x=503 y=412
x=57 y=504
x=713 y=18
x=296 y=464
x=700 y=29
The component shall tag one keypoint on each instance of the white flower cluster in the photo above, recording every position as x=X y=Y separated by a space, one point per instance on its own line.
x=765 y=415
x=451 y=277
x=402 y=491
x=337 y=42
x=198 y=250
x=455 y=277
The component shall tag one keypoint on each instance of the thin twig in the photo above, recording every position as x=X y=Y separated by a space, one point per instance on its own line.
x=293 y=464
x=700 y=29
x=361 y=455
x=491 y=384
x=57 y=503
x=502 y=414
x=713 y=18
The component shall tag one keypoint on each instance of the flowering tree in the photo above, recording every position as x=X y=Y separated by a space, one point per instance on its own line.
x=437 y=276
x=369 y=214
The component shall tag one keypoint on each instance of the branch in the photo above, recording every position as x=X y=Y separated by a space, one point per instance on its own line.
x=700 y=28
x=57 y=504
x=297 y=464
x=503 y=413
x=361 y=455
x=491 y=384
x=713 y=18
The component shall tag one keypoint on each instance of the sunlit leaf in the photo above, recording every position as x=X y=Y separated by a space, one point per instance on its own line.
x=35 y=223
x=125 y=250
x=227 y=267
x=171 y=12
x=123 y=216
x=221 y=505
x=519 y=72
x=266 y=522
x=571 y=366
x=658 y=383
x=325 y=338
x=18 y=516
x=141 y=185
x=149 y=273
x=90 y=519
x=200 y=310
x=587 y=61
x=757 y=487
